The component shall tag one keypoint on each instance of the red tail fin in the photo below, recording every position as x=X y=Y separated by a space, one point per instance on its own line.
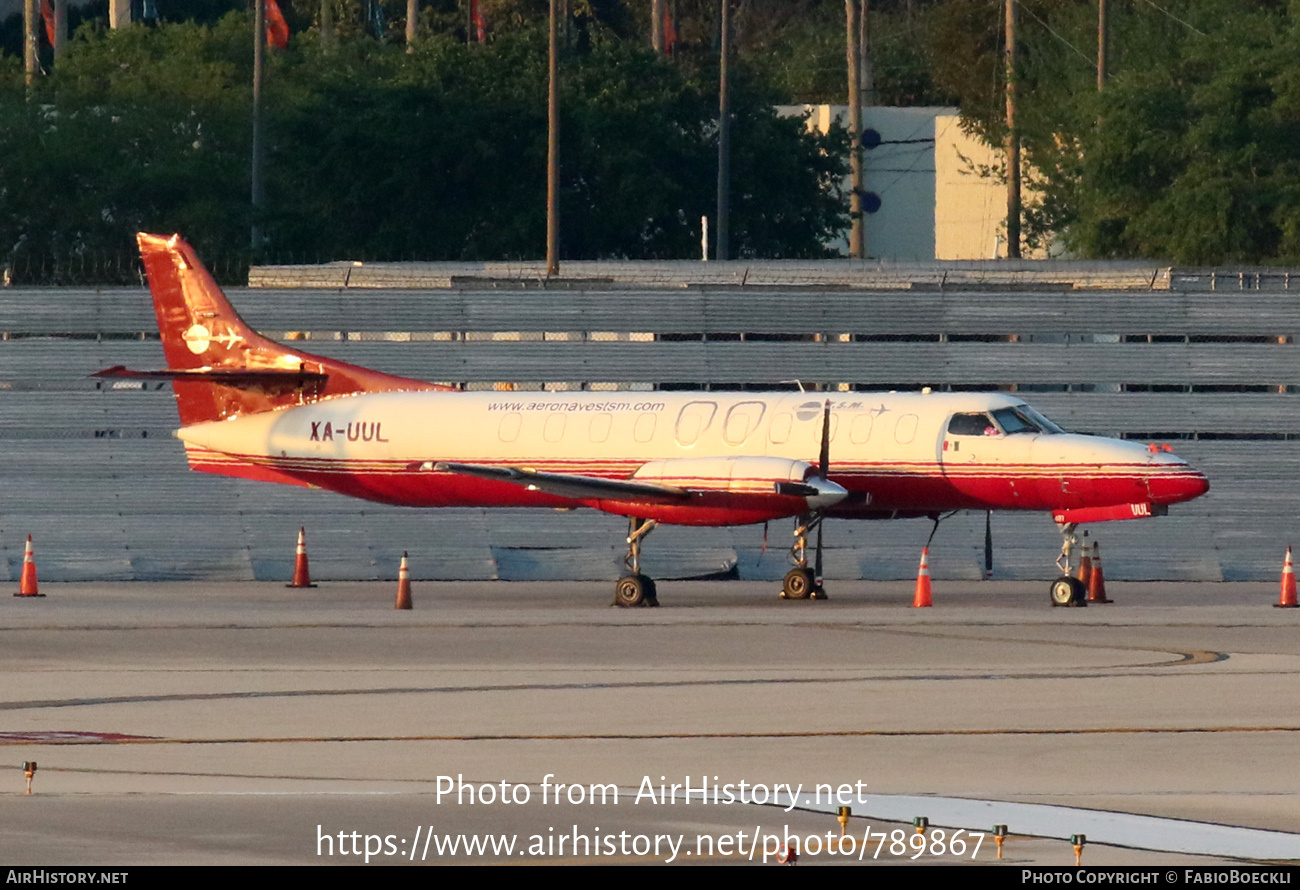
x=219 y=366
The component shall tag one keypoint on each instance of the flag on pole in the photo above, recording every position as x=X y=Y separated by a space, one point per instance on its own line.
x=477 y=20
x=47 y=13
x=277 y=29
x=670 y=30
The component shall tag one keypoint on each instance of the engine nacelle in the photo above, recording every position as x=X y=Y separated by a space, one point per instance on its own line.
x=745 y=475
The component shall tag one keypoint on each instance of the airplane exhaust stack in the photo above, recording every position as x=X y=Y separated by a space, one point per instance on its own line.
x=301 y=576
x=27 y=583
x=1097 y=580
x=403 y=586
x=922 y=598
x=1288 y=597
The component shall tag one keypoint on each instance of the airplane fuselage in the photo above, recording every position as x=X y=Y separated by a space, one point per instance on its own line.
x=896 y=454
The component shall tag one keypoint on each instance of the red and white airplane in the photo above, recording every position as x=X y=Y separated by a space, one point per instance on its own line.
x=255 y=409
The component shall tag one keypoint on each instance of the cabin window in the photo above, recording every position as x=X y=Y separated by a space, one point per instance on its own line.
x=905 y=429
x=598 y=431
x=741 y=421
x=780 y=431
x=815 y=428
x=554 y=429
x=694 y=420
x=860 y=431
x=644 y=430
x=508 y=431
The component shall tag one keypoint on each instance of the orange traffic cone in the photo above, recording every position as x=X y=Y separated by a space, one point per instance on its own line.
x=922 y=598
x=1097 y=582
x=301 y=577
x=1288 y=599
x=403 y=586
x=1085 y=567
x=27 y=583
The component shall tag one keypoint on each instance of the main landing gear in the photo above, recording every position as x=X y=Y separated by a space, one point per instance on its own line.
x=1068 y=590
x=636 y=589
x=802 y=582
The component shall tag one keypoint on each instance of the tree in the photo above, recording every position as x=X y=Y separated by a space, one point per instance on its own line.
x=1187 y=155
x=374 y=153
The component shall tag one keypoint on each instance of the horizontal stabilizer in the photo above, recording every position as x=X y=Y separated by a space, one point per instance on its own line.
x=223 y=376
x=571 y=486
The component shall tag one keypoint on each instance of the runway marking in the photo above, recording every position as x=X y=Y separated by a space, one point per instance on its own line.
x=1195 y=656
x=780 y=621
x=656 y=736
x=63 y=737
x=1059 y=674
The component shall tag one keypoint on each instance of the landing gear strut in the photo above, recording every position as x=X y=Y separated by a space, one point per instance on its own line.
x=1068 y=590
x=636 y=589
x=802 y=582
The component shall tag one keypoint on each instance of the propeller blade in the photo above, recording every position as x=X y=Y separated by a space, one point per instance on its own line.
x=988 y=544
x=825 y=457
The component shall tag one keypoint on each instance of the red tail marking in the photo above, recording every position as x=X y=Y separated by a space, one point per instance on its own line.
x=202 y=332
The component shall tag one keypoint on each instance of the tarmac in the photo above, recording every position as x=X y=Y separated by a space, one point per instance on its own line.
x=213 y=723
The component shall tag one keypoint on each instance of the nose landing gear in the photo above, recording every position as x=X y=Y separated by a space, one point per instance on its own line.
x=1068 y=590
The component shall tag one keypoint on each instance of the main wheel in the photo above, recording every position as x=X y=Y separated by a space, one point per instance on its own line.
x=630 y=591
x=651 y=594
x=1067 y=591
x=798 y=584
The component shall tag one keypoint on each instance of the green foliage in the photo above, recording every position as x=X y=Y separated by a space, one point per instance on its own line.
x=376 y=153
x=1189 y=154
x=140 y=130
x=1198 y=161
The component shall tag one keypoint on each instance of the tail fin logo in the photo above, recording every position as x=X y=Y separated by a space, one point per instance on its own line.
x=198 y=338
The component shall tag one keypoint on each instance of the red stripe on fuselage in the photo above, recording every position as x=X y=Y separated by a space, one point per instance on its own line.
x=907 y=487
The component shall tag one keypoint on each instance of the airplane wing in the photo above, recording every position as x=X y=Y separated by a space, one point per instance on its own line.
x=767 y=484
x=572 y=486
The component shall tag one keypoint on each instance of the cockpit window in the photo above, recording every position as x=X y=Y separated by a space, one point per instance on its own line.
x=971 y=425
x=1023 y=419
x=1043 y=423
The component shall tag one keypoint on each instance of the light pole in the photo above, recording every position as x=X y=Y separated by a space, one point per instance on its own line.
x=723 y=249
x=553 y=153
x=259 y=52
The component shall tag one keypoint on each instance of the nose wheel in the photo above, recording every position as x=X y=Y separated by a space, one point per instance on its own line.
x=1067 y=591
x=636 y=589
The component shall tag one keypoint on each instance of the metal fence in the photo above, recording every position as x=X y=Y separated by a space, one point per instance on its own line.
x=89 y=468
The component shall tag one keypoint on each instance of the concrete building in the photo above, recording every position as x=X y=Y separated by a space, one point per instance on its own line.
x=940 y=189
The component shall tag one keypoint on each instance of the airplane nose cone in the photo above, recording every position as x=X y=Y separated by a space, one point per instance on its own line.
x=1179 y=485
